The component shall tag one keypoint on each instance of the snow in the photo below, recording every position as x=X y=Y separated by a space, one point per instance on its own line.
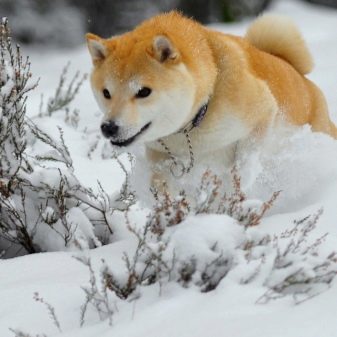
x=301 y=164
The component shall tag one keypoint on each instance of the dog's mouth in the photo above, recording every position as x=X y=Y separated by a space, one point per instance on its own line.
x=128 y=141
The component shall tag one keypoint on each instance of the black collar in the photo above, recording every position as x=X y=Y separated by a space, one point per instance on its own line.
x=198 y=118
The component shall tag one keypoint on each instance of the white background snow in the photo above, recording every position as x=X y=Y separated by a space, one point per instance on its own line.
x=301 y=164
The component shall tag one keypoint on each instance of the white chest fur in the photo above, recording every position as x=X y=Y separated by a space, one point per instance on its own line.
x=209 y=142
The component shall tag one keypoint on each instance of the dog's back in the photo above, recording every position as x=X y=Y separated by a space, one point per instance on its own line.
x=279 y=36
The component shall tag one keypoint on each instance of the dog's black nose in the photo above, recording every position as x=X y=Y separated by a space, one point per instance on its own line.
x=109 y=129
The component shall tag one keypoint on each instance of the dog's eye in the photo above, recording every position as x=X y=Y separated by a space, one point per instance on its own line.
x=143 y=92
x=106 y=93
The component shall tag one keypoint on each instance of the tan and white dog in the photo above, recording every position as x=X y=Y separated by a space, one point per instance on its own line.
x=162 y=76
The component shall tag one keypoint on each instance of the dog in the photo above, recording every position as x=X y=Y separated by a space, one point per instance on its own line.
x=187 y=92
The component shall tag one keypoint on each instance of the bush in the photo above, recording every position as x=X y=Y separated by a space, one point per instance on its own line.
x=43 y=207
x=188 y=245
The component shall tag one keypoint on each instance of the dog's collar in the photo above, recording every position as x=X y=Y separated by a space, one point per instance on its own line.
x=198 y=118
x=178 y=164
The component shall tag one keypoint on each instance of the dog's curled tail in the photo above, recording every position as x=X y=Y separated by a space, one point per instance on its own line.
x=278 y=35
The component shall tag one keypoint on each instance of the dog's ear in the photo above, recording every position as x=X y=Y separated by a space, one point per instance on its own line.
x=163 y=49
x=97 y=48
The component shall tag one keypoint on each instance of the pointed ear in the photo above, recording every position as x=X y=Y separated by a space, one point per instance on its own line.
x=97 y=48
x=163 y=49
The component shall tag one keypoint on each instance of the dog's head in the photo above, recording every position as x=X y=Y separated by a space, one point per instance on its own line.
x=142 y=85
x=151 y=81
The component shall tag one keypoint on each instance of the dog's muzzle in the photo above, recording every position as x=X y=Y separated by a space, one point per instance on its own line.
x=121 y=142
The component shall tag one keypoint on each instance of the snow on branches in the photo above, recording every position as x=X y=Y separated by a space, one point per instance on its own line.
x=14 y=76
x=43 y=207
x=196 y=247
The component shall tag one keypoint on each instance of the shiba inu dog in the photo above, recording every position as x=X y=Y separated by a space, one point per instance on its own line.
x=172 y=77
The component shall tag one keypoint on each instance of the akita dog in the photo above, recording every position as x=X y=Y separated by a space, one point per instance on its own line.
x=172 y=78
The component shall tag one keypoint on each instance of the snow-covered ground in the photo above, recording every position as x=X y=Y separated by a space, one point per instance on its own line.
x=301 y=164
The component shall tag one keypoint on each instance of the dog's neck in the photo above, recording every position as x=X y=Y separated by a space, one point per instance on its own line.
x=175 y=138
